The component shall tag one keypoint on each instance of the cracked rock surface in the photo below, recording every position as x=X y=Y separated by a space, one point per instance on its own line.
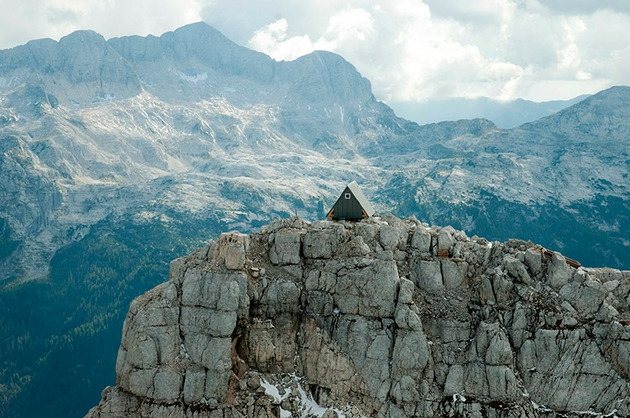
x=380 y=318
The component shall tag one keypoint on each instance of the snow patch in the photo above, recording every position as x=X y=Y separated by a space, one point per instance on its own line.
x=458 y=398
x=308 y=406
x=148 y=216
x=273 y=391
x=192 y=78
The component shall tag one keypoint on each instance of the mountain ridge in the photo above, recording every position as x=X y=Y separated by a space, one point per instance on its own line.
x=197 y=40
x=506 y=114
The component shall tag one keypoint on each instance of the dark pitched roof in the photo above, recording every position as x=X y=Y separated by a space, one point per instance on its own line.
x=363 y=201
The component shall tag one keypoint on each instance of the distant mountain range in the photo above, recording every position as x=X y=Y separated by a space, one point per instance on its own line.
x=504 y=114
x=119 y=155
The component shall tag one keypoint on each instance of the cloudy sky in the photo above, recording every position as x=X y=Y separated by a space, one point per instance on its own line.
x=411 y=50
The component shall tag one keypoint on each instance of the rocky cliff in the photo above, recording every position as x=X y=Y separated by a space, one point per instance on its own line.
x=384 y=317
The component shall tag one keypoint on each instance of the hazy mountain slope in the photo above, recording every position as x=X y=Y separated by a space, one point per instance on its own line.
x=118 y=141
x=139 y=148
x=560 y=181
x=505 y=114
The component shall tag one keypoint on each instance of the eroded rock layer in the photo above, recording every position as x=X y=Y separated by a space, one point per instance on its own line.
x=383 y=318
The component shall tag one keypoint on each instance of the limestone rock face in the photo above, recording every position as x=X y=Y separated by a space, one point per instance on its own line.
x=380 y=318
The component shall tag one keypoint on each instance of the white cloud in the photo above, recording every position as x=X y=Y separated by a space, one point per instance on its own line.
x=398 y=45
x=344 y=29
x=24 y=20
x=414 y=49
x=587 y=6
x=274 y=40
x=350 y=25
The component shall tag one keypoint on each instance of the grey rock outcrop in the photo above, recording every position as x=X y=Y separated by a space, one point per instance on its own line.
x=365 y=319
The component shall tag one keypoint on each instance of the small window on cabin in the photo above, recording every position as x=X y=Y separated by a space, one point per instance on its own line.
x=347 y=196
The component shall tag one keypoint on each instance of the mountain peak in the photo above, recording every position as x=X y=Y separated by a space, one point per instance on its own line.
x=200 y=33
x=84 y=37
x=200 y=26
x=322 y=72
x=615 y=95
x=606 y=113
x=620 y=89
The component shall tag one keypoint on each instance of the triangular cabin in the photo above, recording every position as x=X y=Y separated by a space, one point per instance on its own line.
x=352 y=205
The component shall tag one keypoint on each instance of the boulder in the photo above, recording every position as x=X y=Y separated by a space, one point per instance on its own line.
x=427 y=275
x=285 y=248
x=230 y=250
x=558 y=271
x=421 y=240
